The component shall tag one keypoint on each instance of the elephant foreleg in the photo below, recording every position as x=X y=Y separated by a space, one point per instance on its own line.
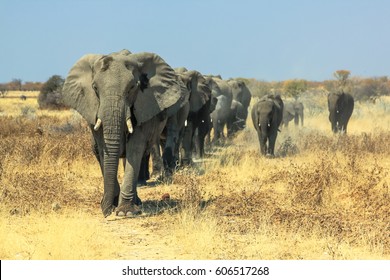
x=128 y=193
x=170 y=145
x=144 y=174
x=187 y=143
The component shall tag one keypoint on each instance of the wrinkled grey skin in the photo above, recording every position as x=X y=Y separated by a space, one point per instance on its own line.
x=340 y=107
x=219 y=117
x=169 y=141
x=126 y=99
x=293 y=110
x=200 y=100
x=204 y=127
x=223 y=92
x=242 y=94
x=237 y=118
x=267 y=116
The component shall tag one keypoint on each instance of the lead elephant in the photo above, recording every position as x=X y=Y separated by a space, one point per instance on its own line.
x=126 y=100
x=340 y=107
x=293 y=110
x=267 y=116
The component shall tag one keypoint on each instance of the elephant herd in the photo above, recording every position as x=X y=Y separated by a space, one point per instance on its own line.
x=135 y=102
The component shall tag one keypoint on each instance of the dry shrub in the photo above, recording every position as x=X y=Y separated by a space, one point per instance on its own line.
x=374 y=143
x=34 y=165
x=35 y=191
x=21 y=126
x=310 y=184
x=192 y=197
x=340 y=196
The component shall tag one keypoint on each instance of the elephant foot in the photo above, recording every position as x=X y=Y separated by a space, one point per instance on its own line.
x=269 y=156
x=128 y=210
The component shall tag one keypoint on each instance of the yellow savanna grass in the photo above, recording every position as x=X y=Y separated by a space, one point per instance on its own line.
x=323 y=196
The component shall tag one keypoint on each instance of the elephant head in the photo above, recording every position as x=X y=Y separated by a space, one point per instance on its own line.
x=340 y=107
x=116 y=92
x=198 y=87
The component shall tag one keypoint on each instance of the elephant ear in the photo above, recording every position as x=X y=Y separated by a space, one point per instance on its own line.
x=200 y=91
x=160 y=88
x=77 y=90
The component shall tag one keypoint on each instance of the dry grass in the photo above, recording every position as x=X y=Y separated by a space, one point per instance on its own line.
x=324 y=196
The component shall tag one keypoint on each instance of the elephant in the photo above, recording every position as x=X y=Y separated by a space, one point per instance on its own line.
x=200 y=102
x=340 y=105
x=237 y=118
x=293 y=110
x=126 y=99
x=222 y=91
x=204 y=128
x=267 y=116
x=169 y=141
x=242 y=94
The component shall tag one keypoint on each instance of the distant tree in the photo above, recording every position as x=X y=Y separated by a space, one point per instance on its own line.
x=294 y=88
x=50 y=96
x=330 y=85
x=342 y=77
x=370 y=89
x=15 y=84
x=3 y=90
x=32 y=86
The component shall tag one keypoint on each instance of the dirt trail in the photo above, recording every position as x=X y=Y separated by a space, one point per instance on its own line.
x=141 y=238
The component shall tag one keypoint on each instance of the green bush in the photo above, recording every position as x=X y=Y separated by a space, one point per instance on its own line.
x=50 y=96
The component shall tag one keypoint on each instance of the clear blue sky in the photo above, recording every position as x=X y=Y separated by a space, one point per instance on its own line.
x=269 y=40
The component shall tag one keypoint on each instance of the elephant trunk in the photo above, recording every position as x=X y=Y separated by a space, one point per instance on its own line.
x=110 y=171
x=264 y=132
x=113 y=131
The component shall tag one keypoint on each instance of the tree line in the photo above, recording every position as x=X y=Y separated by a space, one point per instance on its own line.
x=18 y=84
x=363 y=89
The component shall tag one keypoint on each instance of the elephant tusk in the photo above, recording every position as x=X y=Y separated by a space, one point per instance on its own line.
x=98 y=124
x=185 y=123
x=129 y=126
